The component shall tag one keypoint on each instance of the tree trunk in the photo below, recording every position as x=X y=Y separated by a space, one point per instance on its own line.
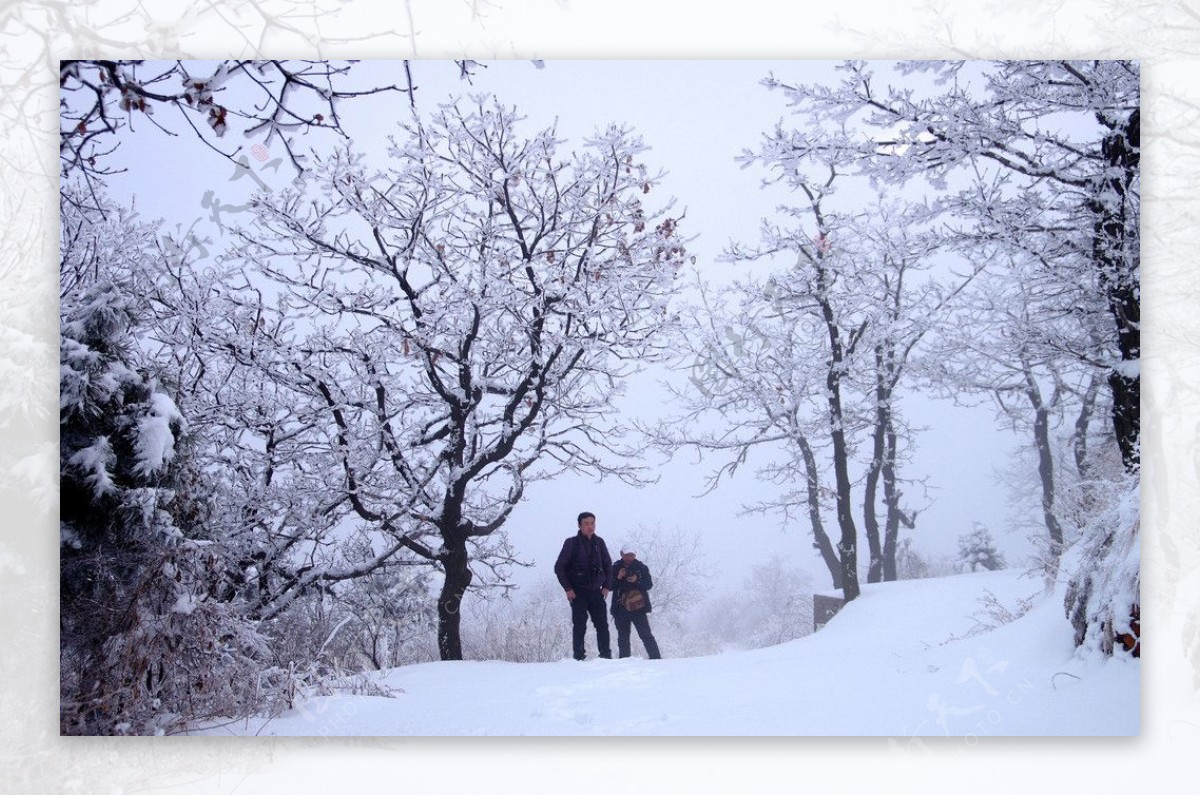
x=458 y=578
x=848 y=544
x=820 y=538
x=871 y=484
x=891 y=499
x=1079 y=440
x=870 y=518
x=1079 y=445
x=1041 y=441
x=1118 y=263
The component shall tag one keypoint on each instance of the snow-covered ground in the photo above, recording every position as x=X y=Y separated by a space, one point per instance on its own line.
x=907 y=660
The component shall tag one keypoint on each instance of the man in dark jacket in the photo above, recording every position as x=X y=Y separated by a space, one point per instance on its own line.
x=584 y=569
x=631 y=602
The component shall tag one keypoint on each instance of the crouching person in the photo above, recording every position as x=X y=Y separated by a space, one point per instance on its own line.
x=631 y=602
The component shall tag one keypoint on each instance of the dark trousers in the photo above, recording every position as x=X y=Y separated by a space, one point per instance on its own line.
x=589 y=603
x=642 y=622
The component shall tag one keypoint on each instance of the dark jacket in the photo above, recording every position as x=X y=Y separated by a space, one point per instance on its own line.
x=584 y=564
x=637 y=576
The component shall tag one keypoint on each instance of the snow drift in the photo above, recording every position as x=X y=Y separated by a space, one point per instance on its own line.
x=907 y=660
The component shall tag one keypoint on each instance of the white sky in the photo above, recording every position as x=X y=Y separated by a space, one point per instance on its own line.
x=696 y=116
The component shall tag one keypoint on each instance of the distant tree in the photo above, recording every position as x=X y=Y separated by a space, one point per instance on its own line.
x=910 y=565
x=783 y=603
x=678 y=562
x=977 y=550
x=771 y=605
x=523 y=625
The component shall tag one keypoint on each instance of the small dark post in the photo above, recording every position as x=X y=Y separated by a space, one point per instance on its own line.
x=825 y=607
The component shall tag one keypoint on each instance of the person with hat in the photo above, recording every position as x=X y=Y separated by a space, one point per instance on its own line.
x=631 y=602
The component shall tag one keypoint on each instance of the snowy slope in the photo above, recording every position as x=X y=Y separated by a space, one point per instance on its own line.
x=902 y=661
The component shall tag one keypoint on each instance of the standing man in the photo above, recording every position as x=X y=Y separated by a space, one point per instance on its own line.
x=584 y=569
x=631 y=602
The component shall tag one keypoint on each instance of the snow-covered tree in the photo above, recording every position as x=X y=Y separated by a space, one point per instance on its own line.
x=910 y=565
x=1062 y=138
x=454 y=327
x=223 y=104
x=808 y=364
x=1040 y=159
x=771 y=605
x=1027 y=340
x=977 y=550
x=181 y=556
x=1103 y=598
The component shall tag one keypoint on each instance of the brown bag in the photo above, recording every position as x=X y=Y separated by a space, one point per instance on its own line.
x=632 y=599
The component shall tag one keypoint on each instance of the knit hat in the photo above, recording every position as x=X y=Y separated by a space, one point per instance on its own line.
x=628 y=547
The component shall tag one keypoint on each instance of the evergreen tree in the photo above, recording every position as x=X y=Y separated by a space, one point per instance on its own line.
x=977 y=550
x=145 y=646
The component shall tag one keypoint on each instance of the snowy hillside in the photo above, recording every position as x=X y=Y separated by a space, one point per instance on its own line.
x=908 y=659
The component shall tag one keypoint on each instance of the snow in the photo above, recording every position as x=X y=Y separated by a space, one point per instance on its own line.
x=94 y=460
x=1128 y=368
x=156 y=440
x=906 y=660
x=185 y=604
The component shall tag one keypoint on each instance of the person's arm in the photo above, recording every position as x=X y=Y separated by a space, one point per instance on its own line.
x=560 y=569
x=620 y=573
x=606 y=562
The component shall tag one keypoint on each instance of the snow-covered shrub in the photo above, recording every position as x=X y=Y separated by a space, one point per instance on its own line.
x=175 y=657
x=996 y=613
x=1103 y=596
x=380 y=621
x=533 y=625
x=145 y=645
x=394 y=622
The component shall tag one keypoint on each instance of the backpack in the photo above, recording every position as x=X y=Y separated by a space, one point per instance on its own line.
x=632 y=599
